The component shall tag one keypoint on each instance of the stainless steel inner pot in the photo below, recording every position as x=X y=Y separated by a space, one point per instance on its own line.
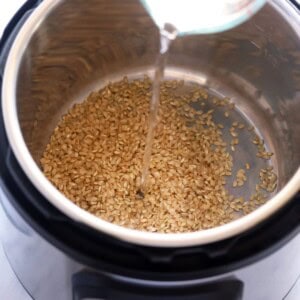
x=68 y=48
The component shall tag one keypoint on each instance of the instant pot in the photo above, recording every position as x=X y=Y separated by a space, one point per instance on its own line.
x=54 y=53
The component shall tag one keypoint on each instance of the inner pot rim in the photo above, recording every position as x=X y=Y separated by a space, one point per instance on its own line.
x=73 y=211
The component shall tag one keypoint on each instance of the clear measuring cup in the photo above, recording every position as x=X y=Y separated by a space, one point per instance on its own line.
x=201 y=16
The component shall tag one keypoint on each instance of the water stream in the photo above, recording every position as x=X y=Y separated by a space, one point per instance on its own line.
x=167 y=34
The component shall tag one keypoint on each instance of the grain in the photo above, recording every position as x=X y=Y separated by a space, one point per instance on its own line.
x=235 y=141
x=95 y=154
x=268 y=179
x=261 y=150
x=231 y=105
x=240 y=178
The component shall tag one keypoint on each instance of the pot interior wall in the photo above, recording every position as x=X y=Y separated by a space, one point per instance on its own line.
x=81 y=45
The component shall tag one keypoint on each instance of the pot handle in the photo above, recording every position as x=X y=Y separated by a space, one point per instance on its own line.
x=87 y=284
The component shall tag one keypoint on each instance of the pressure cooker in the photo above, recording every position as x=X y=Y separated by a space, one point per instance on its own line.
x=54 y=53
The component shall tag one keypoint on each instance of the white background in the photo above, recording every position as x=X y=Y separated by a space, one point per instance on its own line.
x=7 y=10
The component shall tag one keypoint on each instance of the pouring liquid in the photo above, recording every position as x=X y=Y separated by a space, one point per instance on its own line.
x=197 y=18
x=167 y=34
